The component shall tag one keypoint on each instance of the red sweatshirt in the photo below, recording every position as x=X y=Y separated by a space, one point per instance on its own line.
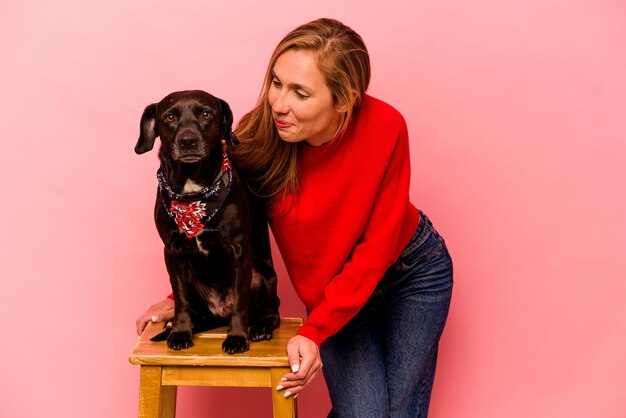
x=350 y=220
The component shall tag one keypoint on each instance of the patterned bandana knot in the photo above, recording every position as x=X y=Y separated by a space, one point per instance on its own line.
x=192 y=211
x=188 y=216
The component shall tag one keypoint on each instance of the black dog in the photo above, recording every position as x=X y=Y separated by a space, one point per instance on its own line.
x=215 y=233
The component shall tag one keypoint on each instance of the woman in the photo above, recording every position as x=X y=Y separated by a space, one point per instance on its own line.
x=375 y=276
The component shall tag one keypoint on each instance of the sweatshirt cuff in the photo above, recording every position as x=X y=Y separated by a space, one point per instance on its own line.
x=171 y=296
x=311 y=333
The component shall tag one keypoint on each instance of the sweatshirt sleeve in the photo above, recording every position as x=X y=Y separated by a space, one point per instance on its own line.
x=373 y=254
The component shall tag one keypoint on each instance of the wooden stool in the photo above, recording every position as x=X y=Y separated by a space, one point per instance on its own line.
x=205 y=364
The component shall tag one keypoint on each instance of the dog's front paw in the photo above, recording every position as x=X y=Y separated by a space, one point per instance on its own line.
x=261 y=332
x=235 y=344
x=179 y=340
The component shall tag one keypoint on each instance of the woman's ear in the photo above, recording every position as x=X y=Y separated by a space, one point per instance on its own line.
x=343 y=107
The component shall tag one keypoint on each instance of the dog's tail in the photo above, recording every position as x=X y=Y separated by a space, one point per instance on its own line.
x=162 y=336
x=199 y=325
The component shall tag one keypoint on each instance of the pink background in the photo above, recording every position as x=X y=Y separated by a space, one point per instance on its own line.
x=517 y=118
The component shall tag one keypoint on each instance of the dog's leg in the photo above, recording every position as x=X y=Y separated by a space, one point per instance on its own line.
x=264 y=310
x=265 y=301
x=241 y=268
x=179 y=271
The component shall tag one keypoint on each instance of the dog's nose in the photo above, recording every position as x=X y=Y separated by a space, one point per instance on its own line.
x=187 y=143
x=187 y=140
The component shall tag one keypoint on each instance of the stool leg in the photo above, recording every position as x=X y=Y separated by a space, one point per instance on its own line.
x=168 y=402
x=155 y=400
x=283 y=407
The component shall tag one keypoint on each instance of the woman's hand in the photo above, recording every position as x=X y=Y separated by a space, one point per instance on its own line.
x=305 y=361
x=161 y=311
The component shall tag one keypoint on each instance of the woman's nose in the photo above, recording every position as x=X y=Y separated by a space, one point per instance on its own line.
x=280 y=104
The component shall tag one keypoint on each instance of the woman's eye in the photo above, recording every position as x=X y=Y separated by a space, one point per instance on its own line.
x=276 y=83
x=301 y=95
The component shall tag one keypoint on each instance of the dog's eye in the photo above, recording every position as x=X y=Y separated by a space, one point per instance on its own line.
x=207 y=115
x=169 y=118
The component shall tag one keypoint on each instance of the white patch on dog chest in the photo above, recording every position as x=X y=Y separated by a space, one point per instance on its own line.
x=256 y=279
x=191 y=187
x=199 y=244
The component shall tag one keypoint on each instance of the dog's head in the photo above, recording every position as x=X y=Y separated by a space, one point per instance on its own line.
x=191 y=125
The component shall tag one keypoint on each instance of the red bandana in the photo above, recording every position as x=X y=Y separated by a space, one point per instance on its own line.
x=189 y=211
x=188 y=216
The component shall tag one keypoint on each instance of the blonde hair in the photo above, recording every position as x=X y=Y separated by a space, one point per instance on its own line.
x=271 y=164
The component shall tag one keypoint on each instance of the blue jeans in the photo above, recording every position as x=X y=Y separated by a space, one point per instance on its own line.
x=382 y=363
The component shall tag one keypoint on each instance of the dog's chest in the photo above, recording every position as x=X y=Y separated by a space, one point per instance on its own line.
x=191 y=215
x=220 y=304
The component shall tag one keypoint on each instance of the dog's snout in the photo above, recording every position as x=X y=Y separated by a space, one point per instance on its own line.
x=188 y=140
x=189 y=146
x=187 y=143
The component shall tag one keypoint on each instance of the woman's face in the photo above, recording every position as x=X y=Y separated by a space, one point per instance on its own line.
x=301 y=101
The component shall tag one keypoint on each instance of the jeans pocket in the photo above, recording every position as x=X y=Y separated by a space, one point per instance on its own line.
x=421 y=254
x=424 y=244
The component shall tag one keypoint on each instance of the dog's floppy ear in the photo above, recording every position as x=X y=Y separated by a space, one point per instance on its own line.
x=148 y=130
x=227 y=123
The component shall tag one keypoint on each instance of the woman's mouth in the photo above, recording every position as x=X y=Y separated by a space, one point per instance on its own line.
x=280 y=124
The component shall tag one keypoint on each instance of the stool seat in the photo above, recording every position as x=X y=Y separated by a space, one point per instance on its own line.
x=205 y=364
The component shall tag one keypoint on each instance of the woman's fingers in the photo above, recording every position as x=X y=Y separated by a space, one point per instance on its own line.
x=161 y=311
x=305 y=362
